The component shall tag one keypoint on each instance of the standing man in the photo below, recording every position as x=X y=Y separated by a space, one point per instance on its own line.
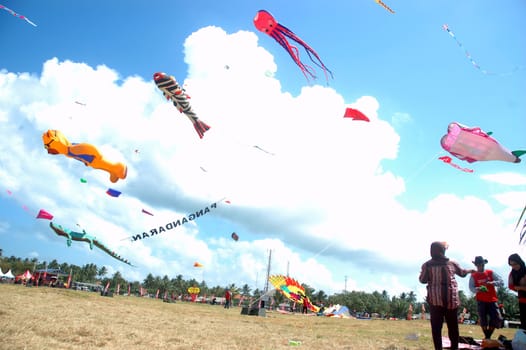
x=228 y=298
x=442 y=293
x=483 y=283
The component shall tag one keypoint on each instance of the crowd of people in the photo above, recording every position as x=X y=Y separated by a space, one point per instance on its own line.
x=443 y=297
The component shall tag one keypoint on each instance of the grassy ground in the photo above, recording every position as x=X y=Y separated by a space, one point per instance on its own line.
x=49 y=318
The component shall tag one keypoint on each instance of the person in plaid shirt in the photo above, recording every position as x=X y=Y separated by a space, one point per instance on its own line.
x=442 y=293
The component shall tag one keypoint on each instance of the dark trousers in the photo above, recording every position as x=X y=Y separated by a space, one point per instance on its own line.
x=438 y=315
x=522 y=310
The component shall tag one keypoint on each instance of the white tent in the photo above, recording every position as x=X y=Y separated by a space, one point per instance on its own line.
x=9 y=274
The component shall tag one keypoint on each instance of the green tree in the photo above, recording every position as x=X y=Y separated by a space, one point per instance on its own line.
x=245 y=290
x=102 y=271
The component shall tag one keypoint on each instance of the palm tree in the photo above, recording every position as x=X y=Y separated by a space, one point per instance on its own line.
x=102 y=272
x=245 y=290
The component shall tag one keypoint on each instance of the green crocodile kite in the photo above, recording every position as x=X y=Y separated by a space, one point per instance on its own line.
x=85 y=237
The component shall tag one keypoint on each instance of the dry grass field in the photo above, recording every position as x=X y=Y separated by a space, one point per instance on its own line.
x=49 y=318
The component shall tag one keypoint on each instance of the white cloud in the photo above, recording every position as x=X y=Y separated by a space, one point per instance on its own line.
x=511 y=179
x=322 y=201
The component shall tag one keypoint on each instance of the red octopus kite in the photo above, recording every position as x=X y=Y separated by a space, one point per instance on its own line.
x=267 y=24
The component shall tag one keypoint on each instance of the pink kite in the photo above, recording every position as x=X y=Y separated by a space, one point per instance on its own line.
x=355 y=114
x=473 y=144
x=42 y=214
x=448 y=160
x=266 y=23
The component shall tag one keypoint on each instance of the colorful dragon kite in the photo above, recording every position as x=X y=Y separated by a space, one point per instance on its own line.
x=172 y=91
x=267 y=24
x=473 y=144
x=292 y=290
x=85 y=237
x=56 y=143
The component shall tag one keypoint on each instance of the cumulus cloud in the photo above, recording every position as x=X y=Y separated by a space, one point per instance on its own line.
x=509 y=178
x=307 y=184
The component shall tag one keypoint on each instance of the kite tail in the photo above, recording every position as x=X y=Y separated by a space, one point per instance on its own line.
x=294 y=54
x=310 y=51
x=201 y=128
x=518 y=154
x=384 y=5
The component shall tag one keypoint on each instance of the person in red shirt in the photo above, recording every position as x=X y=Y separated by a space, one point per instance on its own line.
x=483 y=283
x=228 y=298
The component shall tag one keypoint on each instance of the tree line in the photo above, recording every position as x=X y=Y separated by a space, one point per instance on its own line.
x=358 y=302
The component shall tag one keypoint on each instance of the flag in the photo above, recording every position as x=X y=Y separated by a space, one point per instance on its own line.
x=44 y=276
x=68 y=284
x=42 y=214
x=118 y=289
x=355 y=114
x=147 y=212
x=157 y=294
x=107 y=287
x=129 y=289
x=113 y=193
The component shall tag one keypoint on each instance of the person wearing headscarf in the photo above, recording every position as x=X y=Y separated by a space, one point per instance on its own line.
x=442 y=293
x=483 y=283
x=517 y=282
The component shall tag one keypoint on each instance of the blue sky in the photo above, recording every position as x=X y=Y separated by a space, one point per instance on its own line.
x=338 y=197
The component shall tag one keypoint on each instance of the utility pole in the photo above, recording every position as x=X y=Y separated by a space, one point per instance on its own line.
x=268 y=270
x=288 y=264
x=345 y=288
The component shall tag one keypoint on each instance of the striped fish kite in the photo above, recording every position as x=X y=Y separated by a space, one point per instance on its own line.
x=173 y=91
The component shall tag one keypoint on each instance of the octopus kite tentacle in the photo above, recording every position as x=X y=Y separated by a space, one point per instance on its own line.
x=267 y=24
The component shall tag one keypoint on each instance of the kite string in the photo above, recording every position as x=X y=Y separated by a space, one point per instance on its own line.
x=425 y=165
